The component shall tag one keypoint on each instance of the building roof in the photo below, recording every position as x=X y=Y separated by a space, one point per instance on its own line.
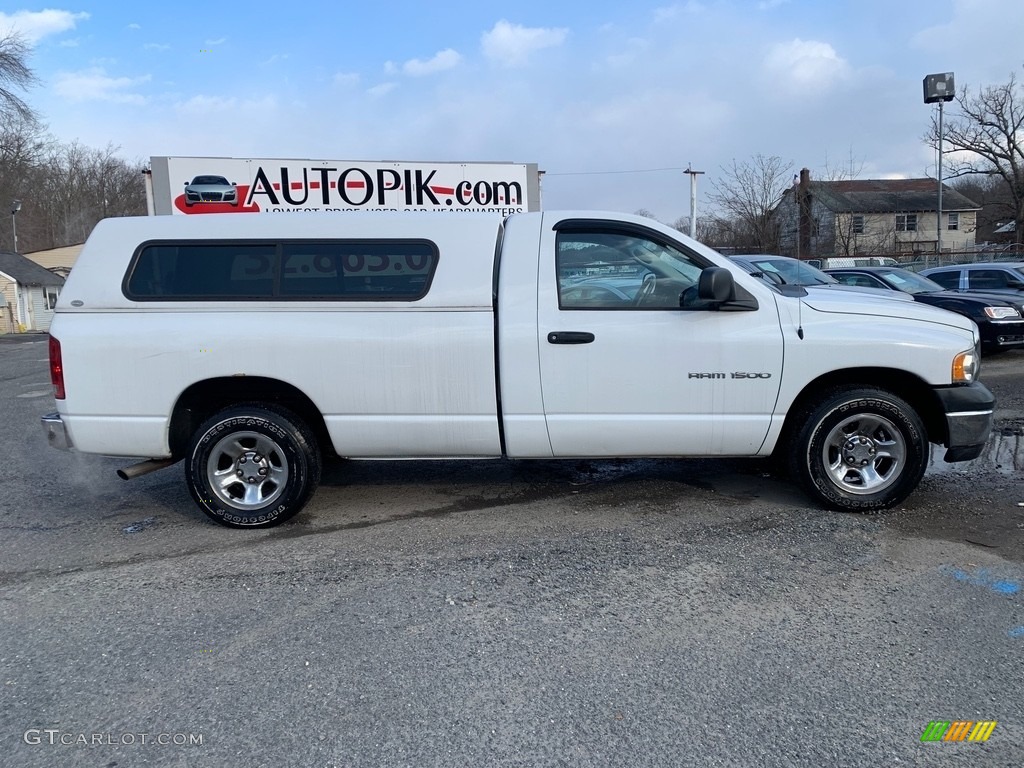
x=59 y=260
x=888 y=196
x=27 y=272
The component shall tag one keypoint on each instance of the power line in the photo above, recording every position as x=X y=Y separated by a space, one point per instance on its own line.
x=606 y=173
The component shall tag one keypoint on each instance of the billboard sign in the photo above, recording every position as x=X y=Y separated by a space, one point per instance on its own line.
x=198 y=185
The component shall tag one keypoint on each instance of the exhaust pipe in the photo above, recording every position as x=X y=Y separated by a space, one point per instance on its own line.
x=144 y=468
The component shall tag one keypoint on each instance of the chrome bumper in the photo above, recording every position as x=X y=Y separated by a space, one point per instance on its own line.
x=56 y=435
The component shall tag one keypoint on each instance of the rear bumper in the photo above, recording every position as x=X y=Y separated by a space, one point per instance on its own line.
x=56 y=435
x=968 y=412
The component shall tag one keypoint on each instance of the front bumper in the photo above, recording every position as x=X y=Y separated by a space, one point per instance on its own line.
x=968 y=412
x=56 y=435
x=1001 y=334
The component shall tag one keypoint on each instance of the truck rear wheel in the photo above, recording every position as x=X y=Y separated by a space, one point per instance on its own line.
x=859 y=449
x=252 y=466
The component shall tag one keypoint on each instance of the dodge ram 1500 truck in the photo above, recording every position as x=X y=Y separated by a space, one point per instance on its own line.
x=250 y=346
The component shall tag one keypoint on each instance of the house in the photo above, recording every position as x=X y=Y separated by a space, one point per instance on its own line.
x=872 y=217
x=59 y=260
x=28 y=293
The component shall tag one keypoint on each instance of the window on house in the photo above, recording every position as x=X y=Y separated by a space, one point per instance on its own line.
x=51 y=297
x=954 y=221
x=906 y=222
x=815 y=226
x=857 y=225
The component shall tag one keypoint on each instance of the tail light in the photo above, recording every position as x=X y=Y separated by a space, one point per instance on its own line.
x=56 y=369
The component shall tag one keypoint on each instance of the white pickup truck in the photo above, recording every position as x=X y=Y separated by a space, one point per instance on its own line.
x=249 y=346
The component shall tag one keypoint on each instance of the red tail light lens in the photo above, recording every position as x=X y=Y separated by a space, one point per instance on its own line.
x=56 y=369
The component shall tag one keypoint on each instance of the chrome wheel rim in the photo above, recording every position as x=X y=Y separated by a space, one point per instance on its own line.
x=864 y=454
x=247 y=470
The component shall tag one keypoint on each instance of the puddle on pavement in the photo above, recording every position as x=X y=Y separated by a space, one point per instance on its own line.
x=1003 y=452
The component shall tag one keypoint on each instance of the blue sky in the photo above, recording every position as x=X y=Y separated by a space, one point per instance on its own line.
x=581 y=88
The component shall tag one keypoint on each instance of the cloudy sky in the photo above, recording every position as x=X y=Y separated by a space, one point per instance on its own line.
x=613 y=100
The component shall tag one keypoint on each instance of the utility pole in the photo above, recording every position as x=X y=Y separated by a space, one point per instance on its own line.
x=693 y=198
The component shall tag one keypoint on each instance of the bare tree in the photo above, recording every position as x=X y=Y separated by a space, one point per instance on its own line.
x=23 y=143
x=708 y=228
x=15 y=74
x=986 y=138
x=746 y=195
x=867 y=239
x=992 y=194
x=76 y=186
x=852 y=170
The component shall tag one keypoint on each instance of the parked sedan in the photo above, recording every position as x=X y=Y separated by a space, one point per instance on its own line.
x=787 y=274
x=998 y=277
x=999 y=319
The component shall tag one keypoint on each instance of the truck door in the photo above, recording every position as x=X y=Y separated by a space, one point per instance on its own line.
x=625 y=370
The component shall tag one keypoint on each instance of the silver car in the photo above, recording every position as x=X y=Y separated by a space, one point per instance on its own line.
x=210 y=189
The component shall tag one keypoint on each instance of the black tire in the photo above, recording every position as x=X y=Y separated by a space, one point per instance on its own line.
x=271 y=442
x=859 y=449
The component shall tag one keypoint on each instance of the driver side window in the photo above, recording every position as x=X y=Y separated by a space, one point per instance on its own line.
x=609 y=270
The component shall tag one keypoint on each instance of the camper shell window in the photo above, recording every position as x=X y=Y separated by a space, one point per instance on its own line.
x=287 y=270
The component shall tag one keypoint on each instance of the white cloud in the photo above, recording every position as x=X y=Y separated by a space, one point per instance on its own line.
x=156 y=47
x=802 y=66
x=134 y=26
x=390 y=68
x=381 y=90
x=218 y=41
x=277 y=57
x=636 y=49
x=72 y=43
x=35 y=25
x=668 y=12
x=767 y=5
x=346 y=78
x=207 y=106
x=442 y=60
x=511 y=44
x=96 y=85
x=989 y=29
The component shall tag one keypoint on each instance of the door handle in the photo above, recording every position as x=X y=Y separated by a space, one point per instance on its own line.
x=570 y=337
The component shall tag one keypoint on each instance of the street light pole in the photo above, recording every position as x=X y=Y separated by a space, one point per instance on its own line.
x=938 y=88
x=15 y=207
x=938 y=224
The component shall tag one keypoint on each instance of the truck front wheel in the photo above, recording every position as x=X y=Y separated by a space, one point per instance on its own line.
x=252 y=466
x=859 y=449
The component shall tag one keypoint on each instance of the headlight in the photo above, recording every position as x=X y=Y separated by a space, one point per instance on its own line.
x=966 y=366
x=1001 y=313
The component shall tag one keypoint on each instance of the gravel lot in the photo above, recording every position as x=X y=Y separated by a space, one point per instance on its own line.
x=633 y=613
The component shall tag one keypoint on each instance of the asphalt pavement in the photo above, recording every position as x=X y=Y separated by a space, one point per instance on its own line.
x=612 y=613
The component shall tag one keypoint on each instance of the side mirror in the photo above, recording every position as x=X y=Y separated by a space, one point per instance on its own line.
x=716 y=284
